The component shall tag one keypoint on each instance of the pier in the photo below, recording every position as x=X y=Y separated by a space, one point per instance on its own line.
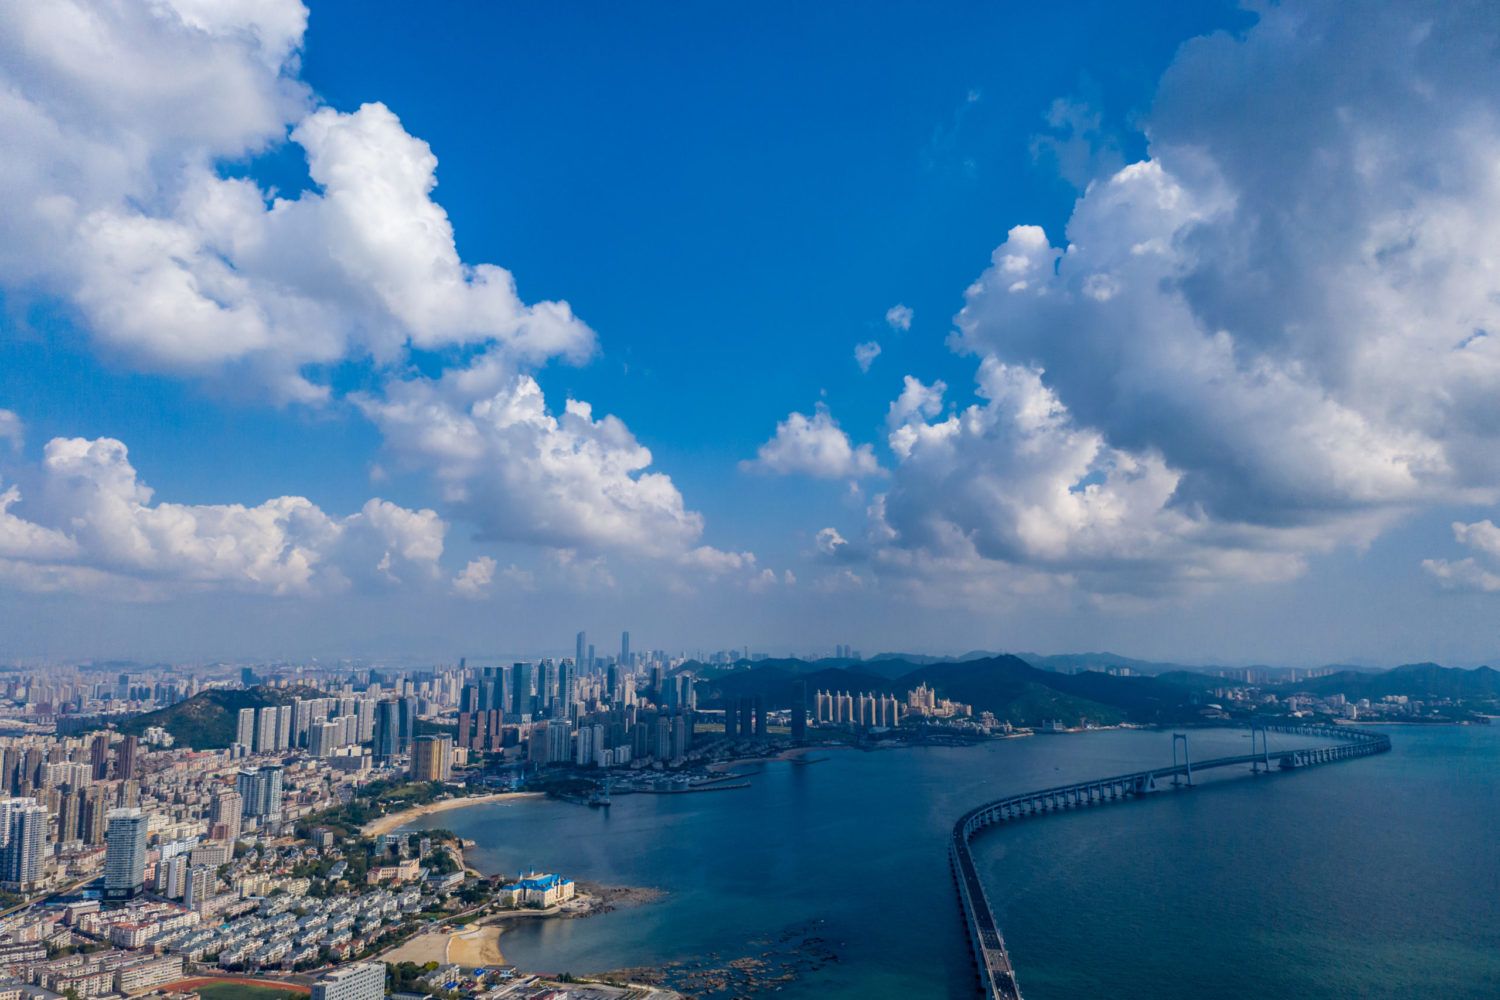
x=997 y=977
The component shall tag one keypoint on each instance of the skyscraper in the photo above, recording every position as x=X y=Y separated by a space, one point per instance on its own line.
x=225 y=821
x=260 y=791
x=266 y=721
x=395 y=722
x=567 y=675
x=244 y=733
x=432 y=758
x=625 y=649
x=125 y=758
x=125 y=854
x=99 y=756
x=580 y=648
x=24 y=822
x=521 y=690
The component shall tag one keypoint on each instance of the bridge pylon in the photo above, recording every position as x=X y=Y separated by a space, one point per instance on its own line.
x=1264 y=760
x=1185 y=761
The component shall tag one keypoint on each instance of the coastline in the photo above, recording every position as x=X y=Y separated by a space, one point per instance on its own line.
x=394 y=821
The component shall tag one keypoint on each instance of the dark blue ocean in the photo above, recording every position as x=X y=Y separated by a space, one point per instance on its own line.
x=1377 y=877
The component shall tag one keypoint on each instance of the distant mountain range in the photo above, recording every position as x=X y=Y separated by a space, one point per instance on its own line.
x=1103 y=661
x=1028 y=694
x=1006 y=685
x=1425 y=681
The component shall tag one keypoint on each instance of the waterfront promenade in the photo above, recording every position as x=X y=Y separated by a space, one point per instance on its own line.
x=997 y=978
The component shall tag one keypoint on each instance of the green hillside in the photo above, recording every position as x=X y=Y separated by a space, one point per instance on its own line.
x=1424 y=681
x=1004 y=685
x=207 y=720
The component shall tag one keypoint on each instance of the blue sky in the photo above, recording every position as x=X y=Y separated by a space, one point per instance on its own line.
x=731 y=199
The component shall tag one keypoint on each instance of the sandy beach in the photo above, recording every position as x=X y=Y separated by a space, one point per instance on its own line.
x=396 y=820
x=471 y=947
x=476 y=948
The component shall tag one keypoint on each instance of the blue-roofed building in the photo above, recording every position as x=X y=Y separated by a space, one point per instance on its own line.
x=538 y=889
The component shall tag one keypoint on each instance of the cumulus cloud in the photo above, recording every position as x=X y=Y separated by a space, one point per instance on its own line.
x=97 y=528
x=812 y=446
x=474 y=580
x=12 y=430
x=519 y=472
x=122 y=193
x=1270 y=337
x=1471 y=573
x=865 y=354
x=829 y=542
x=898 y=317
x=118 y=117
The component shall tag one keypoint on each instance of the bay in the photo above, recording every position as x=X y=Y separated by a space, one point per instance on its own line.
x=1369 y=878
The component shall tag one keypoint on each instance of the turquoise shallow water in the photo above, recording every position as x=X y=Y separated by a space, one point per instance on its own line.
x=1377 y=877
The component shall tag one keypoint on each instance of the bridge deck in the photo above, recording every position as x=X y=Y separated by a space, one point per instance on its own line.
x=992 y=961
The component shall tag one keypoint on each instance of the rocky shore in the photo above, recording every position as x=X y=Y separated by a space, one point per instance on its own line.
x=769 y=964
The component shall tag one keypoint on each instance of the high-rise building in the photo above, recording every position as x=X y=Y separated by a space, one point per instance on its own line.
x=99 y=756
x=580 y=648
x=70 y=817
x=244 y=733
x=125 y=854
x=522 y=696
x=351 y=981
x=260 y=792
x=325 y=736
x=395 y=724
x=625 y=648
x=225 y=820
x=546 y=687
x=93 y=823
x=125 y=758
x=198 y=886
x=559 y=740
x=432 y=758
x=24 y=824
x=266 y=720
x=567 y=677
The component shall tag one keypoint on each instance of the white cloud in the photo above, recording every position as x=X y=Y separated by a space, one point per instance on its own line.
x=1269 y=338
x=118 y=116
x=1482 y=574
x=97 y=529
x=12 y=430
x=829 y=542
x=113 y=197
x=1015 y=481
x=1463 y=574
x=474 y=580
x=865 y=354
x=715 y=562
x=813 y=446
x=521 y=473
x=899 y=317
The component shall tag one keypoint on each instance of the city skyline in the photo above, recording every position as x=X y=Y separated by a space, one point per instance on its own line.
x=1167 y=331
